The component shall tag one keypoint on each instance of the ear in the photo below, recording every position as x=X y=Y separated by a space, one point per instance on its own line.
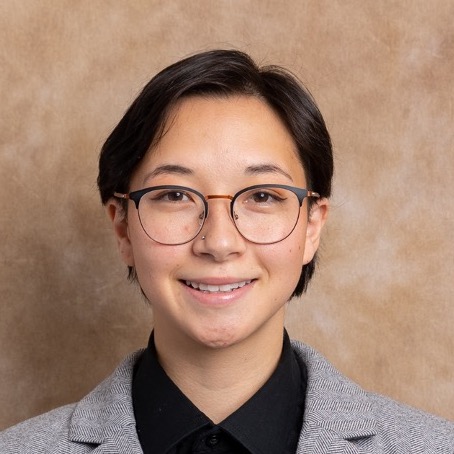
x=316 y=220
x=119 y=219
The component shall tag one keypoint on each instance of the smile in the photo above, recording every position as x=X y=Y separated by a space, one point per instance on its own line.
x=217 y=288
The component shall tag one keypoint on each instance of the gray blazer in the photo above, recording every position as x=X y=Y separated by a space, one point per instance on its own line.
x=339 y=418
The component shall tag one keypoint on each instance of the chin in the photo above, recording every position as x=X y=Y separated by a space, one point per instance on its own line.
x=219 y=338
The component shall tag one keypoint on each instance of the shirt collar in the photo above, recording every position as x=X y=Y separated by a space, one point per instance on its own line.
x=268 y=421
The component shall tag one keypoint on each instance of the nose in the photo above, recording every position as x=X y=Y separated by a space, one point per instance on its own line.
x=221 y=239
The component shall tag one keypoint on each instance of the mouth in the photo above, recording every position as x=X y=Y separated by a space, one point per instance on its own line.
x=209 y=288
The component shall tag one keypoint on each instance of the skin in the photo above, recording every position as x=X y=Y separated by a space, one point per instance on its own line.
x=208 y=342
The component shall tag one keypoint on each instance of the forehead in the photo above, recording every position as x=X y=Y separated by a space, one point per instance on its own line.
x=223 y=137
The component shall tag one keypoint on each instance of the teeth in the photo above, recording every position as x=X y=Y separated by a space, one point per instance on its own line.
x=217 y=288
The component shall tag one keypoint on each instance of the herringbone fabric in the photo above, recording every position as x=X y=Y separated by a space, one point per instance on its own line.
x=339 y=418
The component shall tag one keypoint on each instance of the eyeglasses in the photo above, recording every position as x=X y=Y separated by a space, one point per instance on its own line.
x=263 y=213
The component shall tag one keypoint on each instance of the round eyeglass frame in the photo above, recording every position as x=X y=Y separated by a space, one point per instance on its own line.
x=136 y=196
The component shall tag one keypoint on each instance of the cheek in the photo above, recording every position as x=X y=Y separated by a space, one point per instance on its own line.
x=285 y=261
x=153 y=262
x=153 y=259
x=295 y=254
x=295 y=245
x=156 y=270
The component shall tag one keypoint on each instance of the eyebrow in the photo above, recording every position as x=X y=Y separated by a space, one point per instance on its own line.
x=174 y=169
x=267 y=168
x=171 y=169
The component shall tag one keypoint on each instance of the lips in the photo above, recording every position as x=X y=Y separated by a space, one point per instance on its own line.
x=209 y=288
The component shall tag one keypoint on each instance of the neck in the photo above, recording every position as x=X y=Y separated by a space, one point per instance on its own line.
x=218 y=381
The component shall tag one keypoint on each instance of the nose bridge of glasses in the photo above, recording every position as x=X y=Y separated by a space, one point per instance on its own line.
x=219 y=196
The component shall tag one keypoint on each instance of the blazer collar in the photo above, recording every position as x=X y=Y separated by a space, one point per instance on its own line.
x=337 y=413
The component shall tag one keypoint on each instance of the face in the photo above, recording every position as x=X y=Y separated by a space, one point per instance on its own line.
x=219 y=146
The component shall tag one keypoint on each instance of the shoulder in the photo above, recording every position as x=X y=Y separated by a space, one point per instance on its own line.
x=416 y=431
x=43 y=434
x=77 y=428
x=339 y=405
x=397 y=422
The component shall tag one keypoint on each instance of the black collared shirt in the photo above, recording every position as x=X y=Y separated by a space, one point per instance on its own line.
x=268 y=423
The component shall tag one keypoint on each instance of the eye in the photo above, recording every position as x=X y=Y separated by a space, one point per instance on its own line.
x=170 y=196
x=260 y=197
x=175 y=196
x=263 y=197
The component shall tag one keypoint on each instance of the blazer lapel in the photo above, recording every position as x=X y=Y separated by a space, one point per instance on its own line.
x=104 y=418
x=338 y=416
x=119 y=444
x=319 y=439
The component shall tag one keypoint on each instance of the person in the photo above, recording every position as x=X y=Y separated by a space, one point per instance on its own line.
x=217 y=181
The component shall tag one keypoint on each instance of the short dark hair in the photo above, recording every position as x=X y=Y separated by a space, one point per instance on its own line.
x=218 y=73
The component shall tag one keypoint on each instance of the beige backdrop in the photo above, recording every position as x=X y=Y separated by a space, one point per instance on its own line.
x=381 y=306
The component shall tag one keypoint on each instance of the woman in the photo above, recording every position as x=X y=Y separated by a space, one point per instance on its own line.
x=217 y=182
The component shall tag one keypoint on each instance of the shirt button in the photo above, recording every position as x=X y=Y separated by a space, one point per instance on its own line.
x=212 y=440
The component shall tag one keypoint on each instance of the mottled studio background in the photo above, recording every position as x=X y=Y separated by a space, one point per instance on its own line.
x=381 y=308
